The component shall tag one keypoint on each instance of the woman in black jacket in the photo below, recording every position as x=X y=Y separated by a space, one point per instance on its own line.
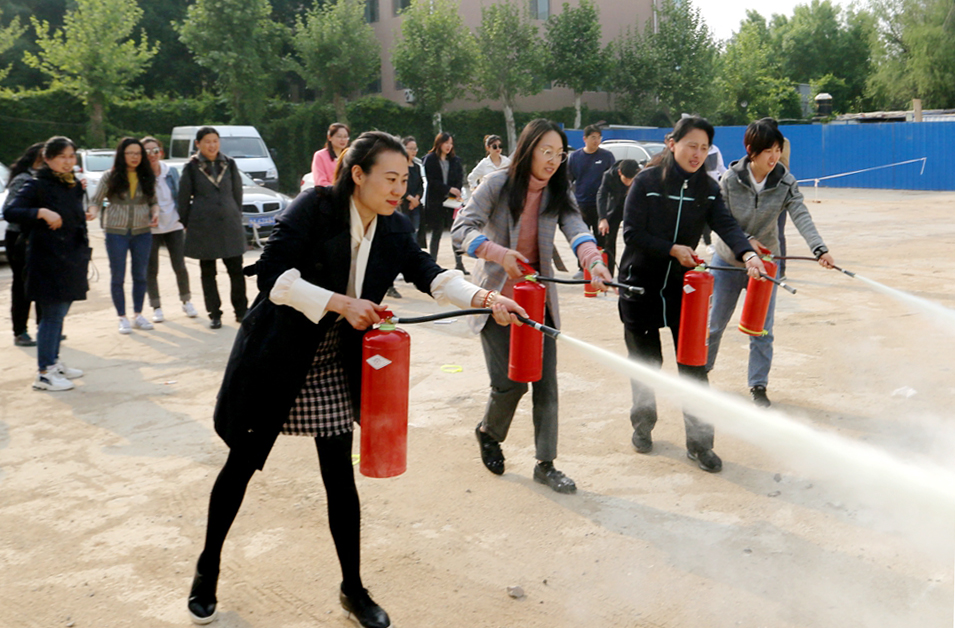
x=49 y=209
x=445 y=176
x=666 y=209
x=321 y=277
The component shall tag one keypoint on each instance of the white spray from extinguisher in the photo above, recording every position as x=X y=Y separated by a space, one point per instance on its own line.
x=929 y=491
x=944 y=315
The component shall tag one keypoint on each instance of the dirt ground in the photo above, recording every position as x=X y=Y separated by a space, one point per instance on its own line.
x=103 y=489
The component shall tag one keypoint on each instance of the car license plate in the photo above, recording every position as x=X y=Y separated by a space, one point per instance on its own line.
x=261 y=221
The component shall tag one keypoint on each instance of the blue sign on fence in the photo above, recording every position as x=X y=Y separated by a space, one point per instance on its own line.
x=889 y=155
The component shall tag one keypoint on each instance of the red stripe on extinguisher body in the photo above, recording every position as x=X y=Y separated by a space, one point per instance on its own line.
x=692 y=343
x=386 y=358
x=756 y=305
x=526 y=354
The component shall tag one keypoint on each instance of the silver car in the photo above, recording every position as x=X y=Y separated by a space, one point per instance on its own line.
x=260 y=205
x=92 y=164
x=641 y=152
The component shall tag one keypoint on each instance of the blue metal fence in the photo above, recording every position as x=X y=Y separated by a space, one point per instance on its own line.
x=823 y=150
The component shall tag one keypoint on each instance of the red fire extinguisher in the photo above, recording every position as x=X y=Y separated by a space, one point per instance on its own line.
x=589 y=291
x=386 y=356
x=693 y=341
x=756 y=304
x=526 y=356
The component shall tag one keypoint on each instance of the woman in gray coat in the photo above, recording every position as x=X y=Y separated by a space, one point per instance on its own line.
x=210 y=208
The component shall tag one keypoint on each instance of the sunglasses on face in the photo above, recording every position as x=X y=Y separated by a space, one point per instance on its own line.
x=153 y=151
x=495 y=146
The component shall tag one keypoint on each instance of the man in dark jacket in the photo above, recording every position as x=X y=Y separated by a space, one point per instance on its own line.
x=610 y=197
x=586 y=166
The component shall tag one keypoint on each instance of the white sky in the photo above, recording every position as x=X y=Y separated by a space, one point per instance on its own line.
x=723 y=16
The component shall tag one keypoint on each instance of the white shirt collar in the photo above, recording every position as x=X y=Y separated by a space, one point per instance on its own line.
x=360 y=249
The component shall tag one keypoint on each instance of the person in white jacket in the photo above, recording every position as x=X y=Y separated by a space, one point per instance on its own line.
x=495 y=159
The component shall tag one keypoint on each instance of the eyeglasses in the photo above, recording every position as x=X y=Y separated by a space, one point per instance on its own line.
x=495 y=147
x=551 y=155
x=133 y=153
x=153 y=151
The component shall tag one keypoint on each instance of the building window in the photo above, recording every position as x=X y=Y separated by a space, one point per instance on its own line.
x=371 y=11
x=399 y=86
x=374 y=87
x=401 y=5
x=540 y=9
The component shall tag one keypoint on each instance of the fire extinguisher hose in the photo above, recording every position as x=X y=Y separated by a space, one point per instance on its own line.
x=612 y=284
x=544 y=329
x=781 y=284
x=813 y=259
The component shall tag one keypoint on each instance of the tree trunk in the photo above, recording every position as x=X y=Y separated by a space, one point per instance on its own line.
x=97 y=130
x=577 y=110
x=436 y=121
x=511 y=128
x=340 y=114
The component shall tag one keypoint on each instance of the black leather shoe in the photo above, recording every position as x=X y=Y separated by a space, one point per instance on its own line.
x=758 y=393
x=360 y=608
x=202 y=599
x=393 y=293
x=239 y=317
x=216 y=323
x=24 y=340
x=491 y=454
x=545 y=473
x=643 y=444
x=706 y=458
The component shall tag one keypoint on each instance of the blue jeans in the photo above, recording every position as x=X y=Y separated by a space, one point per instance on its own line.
x=49 y=331
x=138 y=247
x=726 y=288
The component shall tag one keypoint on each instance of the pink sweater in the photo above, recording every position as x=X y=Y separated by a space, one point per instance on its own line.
x=323 y=168
x=527 y=238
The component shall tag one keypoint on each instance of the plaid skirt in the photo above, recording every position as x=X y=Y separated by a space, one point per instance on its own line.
x=323 y=406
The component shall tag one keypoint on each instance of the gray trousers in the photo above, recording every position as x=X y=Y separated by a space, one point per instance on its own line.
x=174 y=242
x=644 y=345
x=506 y=394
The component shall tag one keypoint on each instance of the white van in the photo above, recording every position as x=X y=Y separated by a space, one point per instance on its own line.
x=242 y=143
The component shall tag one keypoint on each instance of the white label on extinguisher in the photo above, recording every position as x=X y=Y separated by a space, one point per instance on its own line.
x=687 y=288
x=378 y=362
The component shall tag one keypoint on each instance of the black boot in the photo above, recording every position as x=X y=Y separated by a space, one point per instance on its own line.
x=362 y=609
x=202 y=598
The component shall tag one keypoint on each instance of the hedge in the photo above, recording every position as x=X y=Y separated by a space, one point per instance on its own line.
x=294 y=130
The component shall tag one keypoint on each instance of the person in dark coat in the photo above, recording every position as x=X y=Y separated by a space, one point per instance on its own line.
x=445 y=176
x=49 y=210
x=324 y=271
x=23 y=170
x=613 y=190
x=210 y=208
x=668 y=204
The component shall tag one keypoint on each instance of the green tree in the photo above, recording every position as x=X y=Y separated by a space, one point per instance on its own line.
x=434 y=57
x=52 y=11
x=338 y=51
x=914 y=54
x=9 y=35
x=820 y=39
x=683 y=56
x=631 y=75
x=511 y=61
x=577 y=59
x=93 y=56
x=239 y=43
x=750 y=80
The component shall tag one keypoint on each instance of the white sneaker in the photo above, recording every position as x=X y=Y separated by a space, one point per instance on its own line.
x=124 y=327
x=64 y=371
x=157 y=316
x=51 y=380
x=190 y=311
x=140 y=322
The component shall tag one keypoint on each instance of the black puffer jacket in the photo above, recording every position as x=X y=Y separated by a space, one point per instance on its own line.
x=56 y=259
x=658 y=214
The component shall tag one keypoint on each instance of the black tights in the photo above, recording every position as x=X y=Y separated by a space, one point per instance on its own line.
x=344 y=514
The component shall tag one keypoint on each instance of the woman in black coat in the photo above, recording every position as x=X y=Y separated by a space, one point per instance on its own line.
x=445 y=176
x=49 y=210
x=210 y=208
x=666 y=209
x=322 y=275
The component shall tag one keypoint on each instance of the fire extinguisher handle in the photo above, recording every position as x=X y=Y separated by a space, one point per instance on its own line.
x=544 y=329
